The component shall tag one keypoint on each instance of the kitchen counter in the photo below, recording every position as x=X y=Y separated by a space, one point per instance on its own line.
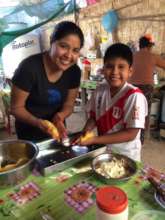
x=53 y=196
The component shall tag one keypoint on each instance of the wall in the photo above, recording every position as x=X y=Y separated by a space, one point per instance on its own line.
x=136 y=23
x=136 y=18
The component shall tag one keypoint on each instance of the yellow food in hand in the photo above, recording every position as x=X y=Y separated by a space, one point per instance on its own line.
x=51 y=129
x=87 y=136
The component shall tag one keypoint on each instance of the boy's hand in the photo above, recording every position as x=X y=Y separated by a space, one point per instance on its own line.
x=85 y=139
x=88 y=141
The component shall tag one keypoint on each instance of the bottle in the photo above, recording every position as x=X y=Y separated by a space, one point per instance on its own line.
x=86 y=69
x=155 y=78
x=111 y=204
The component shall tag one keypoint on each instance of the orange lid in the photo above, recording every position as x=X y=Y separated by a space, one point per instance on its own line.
x=111 y=199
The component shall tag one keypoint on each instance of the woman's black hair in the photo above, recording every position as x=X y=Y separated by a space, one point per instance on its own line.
x=65 y=28
x=119 y=50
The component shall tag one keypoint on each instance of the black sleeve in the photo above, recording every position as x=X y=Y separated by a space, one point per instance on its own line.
x=24 y=76
x=75 y=76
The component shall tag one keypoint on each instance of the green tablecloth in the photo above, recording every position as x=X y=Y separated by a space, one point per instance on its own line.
x=50 y=196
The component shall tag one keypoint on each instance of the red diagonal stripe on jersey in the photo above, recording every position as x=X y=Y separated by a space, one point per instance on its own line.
x=107 y=121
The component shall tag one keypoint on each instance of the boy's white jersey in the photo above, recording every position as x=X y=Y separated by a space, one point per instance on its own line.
x=127 y=109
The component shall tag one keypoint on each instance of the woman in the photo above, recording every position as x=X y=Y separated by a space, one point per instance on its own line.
x=45 y=85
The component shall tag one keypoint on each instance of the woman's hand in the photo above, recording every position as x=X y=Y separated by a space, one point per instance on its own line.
x=58 y=122
x=49 y=128
x=41 y=125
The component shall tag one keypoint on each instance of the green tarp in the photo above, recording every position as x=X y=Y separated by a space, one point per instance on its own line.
x=31 y=15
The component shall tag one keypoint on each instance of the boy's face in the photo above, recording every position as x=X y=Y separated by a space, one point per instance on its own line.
x=117 y=71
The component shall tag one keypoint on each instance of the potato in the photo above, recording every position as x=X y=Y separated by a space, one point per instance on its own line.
x=9 y=167
x=51 y=129
x=22 y=161
x=87 y=136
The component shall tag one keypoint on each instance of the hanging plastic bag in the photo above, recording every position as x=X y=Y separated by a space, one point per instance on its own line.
x=90 y=41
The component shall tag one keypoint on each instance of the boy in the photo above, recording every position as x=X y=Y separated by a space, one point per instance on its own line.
x=117 y=108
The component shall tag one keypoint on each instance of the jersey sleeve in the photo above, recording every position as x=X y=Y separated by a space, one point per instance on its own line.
x=135 y=111
x=24 y=77
x=75 y=75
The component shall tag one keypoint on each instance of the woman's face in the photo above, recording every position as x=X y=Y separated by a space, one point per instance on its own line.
x=65 y=52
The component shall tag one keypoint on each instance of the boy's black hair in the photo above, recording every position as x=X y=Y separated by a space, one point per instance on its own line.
x=145 y=42
x=119 y=50
x=65 y=28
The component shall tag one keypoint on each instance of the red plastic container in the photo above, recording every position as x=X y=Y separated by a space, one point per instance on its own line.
x=112 y=204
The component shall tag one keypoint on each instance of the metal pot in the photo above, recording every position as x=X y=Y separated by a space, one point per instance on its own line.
x=129 y=165
x=12 y=152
